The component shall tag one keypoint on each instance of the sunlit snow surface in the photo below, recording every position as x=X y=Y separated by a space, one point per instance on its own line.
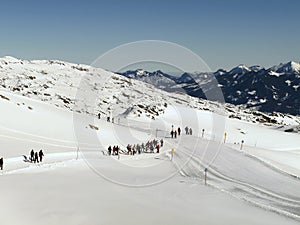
x=255 y=185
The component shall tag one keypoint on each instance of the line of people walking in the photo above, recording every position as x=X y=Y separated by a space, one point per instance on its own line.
x=149 y=147
x=36 y=157
x=114 y=151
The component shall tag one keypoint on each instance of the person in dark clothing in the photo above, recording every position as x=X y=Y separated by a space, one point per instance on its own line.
x=99 y=116
x=179 y=131
x=143 y=147
x=36 y=158
x=138 y=147
x=1 y=163
x=41 y=154
x=172 y=133
x=175 y=134
x=129 y=152
x=32 y=155
x=114 y=150
x=191 y=131
x=186 y=130
x=109 y=150
x=161 y=142
x=157 y=148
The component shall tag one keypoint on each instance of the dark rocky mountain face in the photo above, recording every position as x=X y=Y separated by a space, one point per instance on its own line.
x=276 y=89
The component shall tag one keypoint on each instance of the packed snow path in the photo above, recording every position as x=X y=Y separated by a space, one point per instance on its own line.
x=240 y=175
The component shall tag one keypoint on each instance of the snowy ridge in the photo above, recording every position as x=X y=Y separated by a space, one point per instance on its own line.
x=276 y=88
x=57 y=83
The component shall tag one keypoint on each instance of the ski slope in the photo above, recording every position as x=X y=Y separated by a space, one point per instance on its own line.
x=78 y=184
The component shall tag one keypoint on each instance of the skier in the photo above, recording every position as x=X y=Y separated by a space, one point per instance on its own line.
x=36 y=158
x=186 y=130
x=99 y=116
x=41 y=154
x=32 y=155
x=179 y=131
x=191 y=131
x=175 y=134
x=1 y=163
x=172 y=133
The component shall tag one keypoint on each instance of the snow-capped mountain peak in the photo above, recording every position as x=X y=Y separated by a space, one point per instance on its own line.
x=256 y=68
x=290 y=67
x=241 y=69
x=140 y=72
x=268 y=90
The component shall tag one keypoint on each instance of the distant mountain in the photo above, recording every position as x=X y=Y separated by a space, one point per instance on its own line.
x=269 y=90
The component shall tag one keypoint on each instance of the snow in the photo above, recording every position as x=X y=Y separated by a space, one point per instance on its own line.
x=287 y=67
x=240 y=69
x=296 y=87
x=78 y=184
x=263 y=100
x=65 y=190
x=252 y=92
x=288 y=82
x=272 y=73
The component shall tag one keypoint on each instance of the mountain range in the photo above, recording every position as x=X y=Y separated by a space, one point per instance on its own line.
x=275 y=89
x=87 y=90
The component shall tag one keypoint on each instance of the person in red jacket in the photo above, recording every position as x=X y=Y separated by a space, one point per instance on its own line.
x=157 y=148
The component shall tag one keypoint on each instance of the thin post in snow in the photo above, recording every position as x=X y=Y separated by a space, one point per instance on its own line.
x=205 y=176
x=225 y=135
x=242 y=143
x=77 y=152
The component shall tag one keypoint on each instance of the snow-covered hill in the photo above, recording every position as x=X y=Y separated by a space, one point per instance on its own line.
x=71 y=86
x=89 y=90
x=268 y=90
x=78 y=183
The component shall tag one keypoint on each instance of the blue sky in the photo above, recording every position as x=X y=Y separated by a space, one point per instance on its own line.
x=223 y=33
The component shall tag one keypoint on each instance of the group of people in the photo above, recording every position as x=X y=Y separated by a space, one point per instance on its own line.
x=177 y=132
x=36 y=157
x=188 y=131
x=149 y=147
x=115 y=150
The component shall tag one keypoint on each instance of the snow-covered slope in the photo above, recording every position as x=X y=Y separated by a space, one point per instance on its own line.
x=51 y=105
x=63 y=190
